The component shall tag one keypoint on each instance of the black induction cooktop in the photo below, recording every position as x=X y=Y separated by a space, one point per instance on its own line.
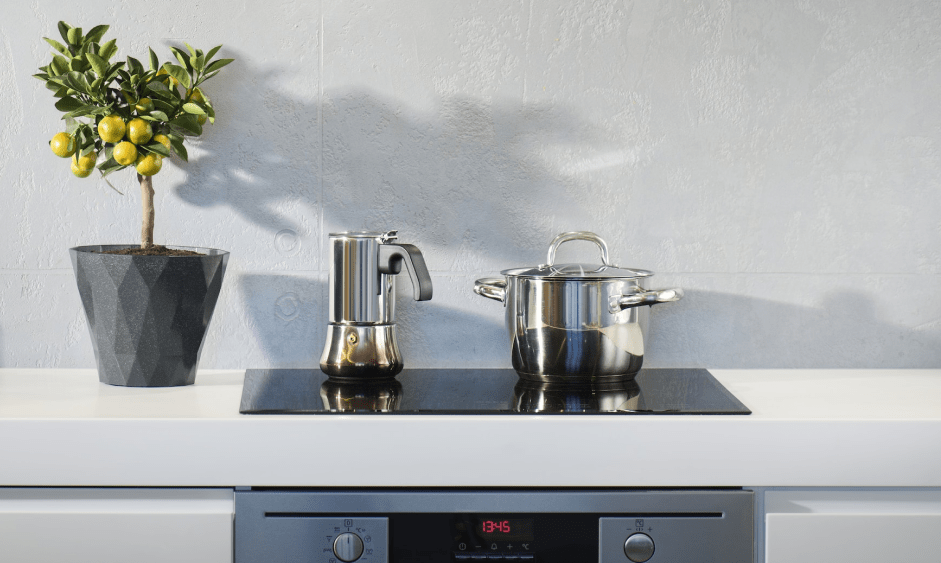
x=482 y=392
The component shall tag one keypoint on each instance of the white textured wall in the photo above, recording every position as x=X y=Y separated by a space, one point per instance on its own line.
x=779 y=160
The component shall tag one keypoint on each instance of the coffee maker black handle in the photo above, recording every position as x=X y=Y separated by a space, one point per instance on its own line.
x=391 y=257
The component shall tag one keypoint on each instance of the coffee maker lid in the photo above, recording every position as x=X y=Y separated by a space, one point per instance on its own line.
x=382 y=236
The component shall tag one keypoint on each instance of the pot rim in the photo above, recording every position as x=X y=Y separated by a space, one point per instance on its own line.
x=588 y=272
x=99 y=248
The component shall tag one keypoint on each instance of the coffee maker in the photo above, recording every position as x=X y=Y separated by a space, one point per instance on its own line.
x=361 y=342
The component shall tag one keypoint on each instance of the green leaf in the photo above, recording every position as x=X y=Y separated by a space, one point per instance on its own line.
x=194 y=109
x=71 y=125
x=178 y=148
x=159 y=115
x=191 y=49
x=188 y=124
x=57 y=46
x=135 y=67
x=157 y=148
x=76 y=81
x=129 y=92
x=113 y=70
x=212 y=52
x=108 y=50
x=110 y=165
x=80 y=137
x=158 y=86
x=64 y=31
x=154 y=61
x=79 y=65
x=96 y=33
x=181 y=56
x=163 y=99
x=216 y=65
x=198 y=61
x=88 y=110
x=62 y=91
x=74 y=36
x=60 y=65
x=179 y=73
x=68 y=103
x=98 y=64
x=60 y=80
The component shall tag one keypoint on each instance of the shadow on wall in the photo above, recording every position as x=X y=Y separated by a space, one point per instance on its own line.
x=721 y=330
x=284 y=316
x=462 y=176
x=287 y=317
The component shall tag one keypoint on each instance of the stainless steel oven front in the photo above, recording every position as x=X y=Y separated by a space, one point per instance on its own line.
x=522 y=525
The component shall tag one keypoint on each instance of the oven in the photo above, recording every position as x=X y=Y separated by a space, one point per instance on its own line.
x=456 y=525
x=446 y=525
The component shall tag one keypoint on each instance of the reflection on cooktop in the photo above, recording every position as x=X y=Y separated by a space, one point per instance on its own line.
x=483 y=391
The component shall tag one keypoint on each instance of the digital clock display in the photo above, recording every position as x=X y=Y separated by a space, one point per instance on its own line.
x=501 y=528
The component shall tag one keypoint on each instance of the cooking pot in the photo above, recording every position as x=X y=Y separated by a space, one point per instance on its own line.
x=576 y=323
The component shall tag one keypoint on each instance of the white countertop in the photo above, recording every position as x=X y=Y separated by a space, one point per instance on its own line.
x=868 y=428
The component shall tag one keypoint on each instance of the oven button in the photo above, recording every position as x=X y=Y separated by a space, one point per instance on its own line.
x=639 y=548
x=348 y=547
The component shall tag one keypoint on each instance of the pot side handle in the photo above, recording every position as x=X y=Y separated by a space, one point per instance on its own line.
x=491 y=288
x=652 y=297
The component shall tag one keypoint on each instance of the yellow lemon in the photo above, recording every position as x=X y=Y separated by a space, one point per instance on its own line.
x=86 y=162
x=198 y=96
x=125 y=153
x=149 y=164
x=144 y=105
x=81 y=172
x=163 y=140
x=139 y=131
x=62 y=144
x=111 y=129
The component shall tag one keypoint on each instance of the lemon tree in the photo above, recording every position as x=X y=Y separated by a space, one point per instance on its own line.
x=122 y=114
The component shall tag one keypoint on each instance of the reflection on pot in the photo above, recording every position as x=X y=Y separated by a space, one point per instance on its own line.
x=361 y=396
x=532 y=396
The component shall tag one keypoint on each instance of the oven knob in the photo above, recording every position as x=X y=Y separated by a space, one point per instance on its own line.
x=639 y=548
x=348 y=547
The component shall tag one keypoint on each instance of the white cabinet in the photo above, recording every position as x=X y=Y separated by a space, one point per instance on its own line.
x=51 y=525
x=852 y=526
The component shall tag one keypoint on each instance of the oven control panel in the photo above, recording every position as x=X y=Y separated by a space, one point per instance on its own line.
x=401 y=526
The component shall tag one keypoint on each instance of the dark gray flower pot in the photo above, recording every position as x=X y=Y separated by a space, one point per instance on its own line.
x=148 y=314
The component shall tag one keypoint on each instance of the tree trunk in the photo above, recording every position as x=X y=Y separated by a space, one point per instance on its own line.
x=147 y=208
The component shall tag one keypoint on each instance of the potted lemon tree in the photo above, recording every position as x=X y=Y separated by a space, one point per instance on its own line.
x=148 y=306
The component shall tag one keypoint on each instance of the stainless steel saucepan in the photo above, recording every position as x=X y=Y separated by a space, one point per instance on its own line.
x=576 y=323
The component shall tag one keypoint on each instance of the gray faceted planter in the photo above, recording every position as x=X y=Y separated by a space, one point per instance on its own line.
x=147 y=314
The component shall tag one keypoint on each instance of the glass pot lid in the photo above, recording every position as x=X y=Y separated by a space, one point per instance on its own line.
x=578 y=271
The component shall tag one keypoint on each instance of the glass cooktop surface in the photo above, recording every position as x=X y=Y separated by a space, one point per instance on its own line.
x=484 y=391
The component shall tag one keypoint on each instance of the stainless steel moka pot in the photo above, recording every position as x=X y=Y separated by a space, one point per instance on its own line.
x=361 y=336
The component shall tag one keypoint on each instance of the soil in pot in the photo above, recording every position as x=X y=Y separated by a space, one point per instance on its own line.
x=153 y=250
